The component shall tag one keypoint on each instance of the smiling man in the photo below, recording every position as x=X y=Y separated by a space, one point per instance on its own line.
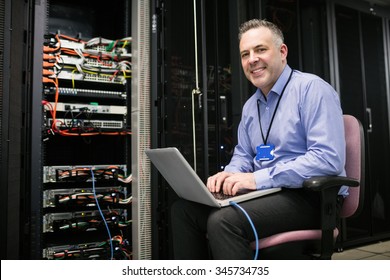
x=291 y=129
x=263 y=56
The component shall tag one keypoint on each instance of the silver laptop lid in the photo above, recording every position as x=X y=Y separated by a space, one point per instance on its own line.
x=180 y=175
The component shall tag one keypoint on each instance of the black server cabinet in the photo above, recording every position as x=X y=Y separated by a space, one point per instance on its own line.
x=363 y=55
x=14 y=20
x=80 y=161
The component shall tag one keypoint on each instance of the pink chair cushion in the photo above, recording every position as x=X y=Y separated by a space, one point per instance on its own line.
x=290 y=236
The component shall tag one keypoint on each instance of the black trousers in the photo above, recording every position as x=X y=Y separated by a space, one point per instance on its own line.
x=203 y=232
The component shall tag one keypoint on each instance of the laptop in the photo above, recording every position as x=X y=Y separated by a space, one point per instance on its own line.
x=186 y=183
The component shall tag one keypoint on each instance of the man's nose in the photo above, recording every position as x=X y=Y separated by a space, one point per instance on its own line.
x=253 y=58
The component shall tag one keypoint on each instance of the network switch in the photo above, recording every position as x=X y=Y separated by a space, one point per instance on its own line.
x=81 y=123
x=91 y=108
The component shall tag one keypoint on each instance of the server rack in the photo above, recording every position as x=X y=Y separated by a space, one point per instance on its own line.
x=89 y=199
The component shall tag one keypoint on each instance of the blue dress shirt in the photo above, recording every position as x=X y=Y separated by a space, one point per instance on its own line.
x=307 y=132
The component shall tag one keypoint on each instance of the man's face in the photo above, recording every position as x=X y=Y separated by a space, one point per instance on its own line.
x=261 y=60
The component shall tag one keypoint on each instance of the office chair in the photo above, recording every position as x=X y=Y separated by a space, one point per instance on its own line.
x=320 y=243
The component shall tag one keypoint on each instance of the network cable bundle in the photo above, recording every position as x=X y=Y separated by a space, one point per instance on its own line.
x=86 y=133
x=92 y=71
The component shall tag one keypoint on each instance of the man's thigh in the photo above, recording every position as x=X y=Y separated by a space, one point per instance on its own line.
x=289 y=209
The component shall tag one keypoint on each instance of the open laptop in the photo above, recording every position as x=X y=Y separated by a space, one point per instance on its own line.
x=186 y=183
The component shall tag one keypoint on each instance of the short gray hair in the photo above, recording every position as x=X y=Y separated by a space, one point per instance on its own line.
x=256 y=23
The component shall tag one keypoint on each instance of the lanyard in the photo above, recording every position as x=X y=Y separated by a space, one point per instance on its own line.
x=273 y=116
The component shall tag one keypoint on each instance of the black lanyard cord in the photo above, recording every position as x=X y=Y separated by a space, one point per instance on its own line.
x=273 y=115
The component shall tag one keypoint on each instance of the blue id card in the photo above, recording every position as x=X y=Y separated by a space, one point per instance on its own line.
x=265 y=152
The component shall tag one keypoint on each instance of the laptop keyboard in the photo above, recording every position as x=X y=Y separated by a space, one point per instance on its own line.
x=221 y=195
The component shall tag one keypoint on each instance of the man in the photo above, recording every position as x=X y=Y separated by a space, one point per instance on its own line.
x=291 y=129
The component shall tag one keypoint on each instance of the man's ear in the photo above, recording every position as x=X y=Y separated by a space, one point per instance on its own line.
x=283 y=51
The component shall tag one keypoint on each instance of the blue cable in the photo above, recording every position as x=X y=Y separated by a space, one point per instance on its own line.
x=101 y=214
x=252 y=225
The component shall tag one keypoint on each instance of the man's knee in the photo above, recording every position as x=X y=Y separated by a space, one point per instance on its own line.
x=222 y=220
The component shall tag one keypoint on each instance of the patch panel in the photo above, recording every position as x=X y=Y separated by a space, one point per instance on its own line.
x=82 y=92
x=91 y=62
x=69 y=44
x=67 y=74
x=71 y=60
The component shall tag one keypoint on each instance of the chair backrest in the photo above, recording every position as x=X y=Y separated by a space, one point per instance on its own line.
x=354 y=166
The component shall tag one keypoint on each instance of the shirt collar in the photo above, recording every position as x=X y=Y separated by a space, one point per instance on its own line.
x=279 y=85
x=282 y=80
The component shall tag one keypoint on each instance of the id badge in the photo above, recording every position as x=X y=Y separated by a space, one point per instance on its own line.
x=265 y=152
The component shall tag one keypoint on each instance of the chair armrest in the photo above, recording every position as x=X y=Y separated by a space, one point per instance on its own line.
x=328 y=188
x=320 y=183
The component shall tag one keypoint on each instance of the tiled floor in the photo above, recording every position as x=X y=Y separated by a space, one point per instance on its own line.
x=376 y=251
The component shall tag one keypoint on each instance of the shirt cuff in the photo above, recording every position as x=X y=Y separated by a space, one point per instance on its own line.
x=262 y=179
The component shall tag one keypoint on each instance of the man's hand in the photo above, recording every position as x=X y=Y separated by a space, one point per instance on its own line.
x=231 y=183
